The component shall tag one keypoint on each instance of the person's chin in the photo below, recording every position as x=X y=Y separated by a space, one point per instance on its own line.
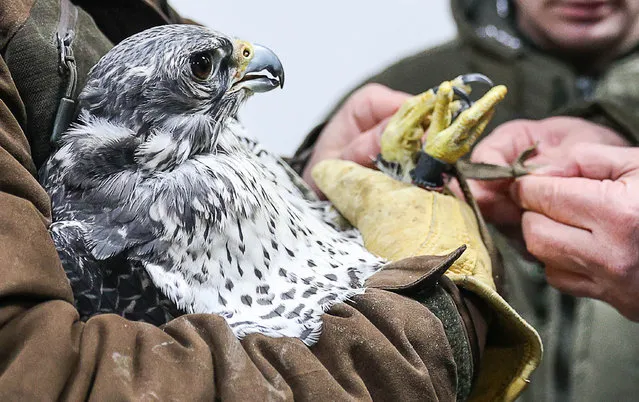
x=586 y=37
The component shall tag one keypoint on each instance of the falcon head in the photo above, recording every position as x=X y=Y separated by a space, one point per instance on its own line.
x=180 y=79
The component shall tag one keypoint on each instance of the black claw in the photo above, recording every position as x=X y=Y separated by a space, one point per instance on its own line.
x=456 y=115
x=476 y=77
x=463 y=96
x=460 y=94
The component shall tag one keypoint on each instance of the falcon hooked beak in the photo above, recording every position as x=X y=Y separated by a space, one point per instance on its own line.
x=260 y=69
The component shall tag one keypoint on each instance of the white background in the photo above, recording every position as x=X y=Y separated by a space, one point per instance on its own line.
x=327 y=47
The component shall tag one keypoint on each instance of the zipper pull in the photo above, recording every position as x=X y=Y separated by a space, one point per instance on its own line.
x=67 y=66
x=586 y=87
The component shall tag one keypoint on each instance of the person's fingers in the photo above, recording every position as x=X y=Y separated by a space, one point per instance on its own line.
x=365 y=147
x=573 y=201
x=373 y=103
x=558 y=245
x=563 y=130
x=594 y=161
x=507 y=142
x=553 y=137
x=578 y=285
x=495 y=202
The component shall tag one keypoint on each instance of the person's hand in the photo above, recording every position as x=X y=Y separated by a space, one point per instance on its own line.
x=554 y=137
x=585 y=226
x=355 y=130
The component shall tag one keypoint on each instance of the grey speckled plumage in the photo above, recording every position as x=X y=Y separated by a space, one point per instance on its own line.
x=162 y=205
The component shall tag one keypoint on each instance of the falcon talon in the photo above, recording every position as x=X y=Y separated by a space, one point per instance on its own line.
x=463 y=96
x=449 y=121
x=476 y=78
x=459 y=92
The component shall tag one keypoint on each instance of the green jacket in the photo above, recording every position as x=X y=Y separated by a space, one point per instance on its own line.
x=590 y=351
x=539 y=85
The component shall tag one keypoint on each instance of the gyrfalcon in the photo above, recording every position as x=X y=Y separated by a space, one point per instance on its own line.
x=163 y=206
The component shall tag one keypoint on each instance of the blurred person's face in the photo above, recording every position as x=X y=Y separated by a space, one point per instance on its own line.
x=580 y=26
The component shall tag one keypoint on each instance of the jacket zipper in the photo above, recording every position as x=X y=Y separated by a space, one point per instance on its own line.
x=585 y=86
x=64 y=38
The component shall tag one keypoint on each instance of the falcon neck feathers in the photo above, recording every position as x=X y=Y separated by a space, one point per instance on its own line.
x=157 y=172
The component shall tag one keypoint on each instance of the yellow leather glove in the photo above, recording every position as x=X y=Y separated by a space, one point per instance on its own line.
x=398 y=220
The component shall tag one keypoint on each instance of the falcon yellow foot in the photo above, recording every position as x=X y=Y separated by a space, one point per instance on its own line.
x=447 y=118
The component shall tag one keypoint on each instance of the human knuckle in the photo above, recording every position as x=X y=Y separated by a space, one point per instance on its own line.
x=539 y=245
x=535 y=241
x=624 y=300
x=489 y=150
x=552 y=120
x=518 y=123
x=357 y=97
x=519 y=134
x=622 y=263
x=626 y=214
x=554 y=279
x=547 y=197
x=595 y=292
x=536 y=248
x=506 y=129
x=371 y=90
x=582 y=154
x=605 y=135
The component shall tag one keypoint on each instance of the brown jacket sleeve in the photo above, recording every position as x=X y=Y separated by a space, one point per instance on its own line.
x=382 y=345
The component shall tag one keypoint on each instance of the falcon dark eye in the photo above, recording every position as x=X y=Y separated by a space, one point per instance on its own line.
x=201 y=65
